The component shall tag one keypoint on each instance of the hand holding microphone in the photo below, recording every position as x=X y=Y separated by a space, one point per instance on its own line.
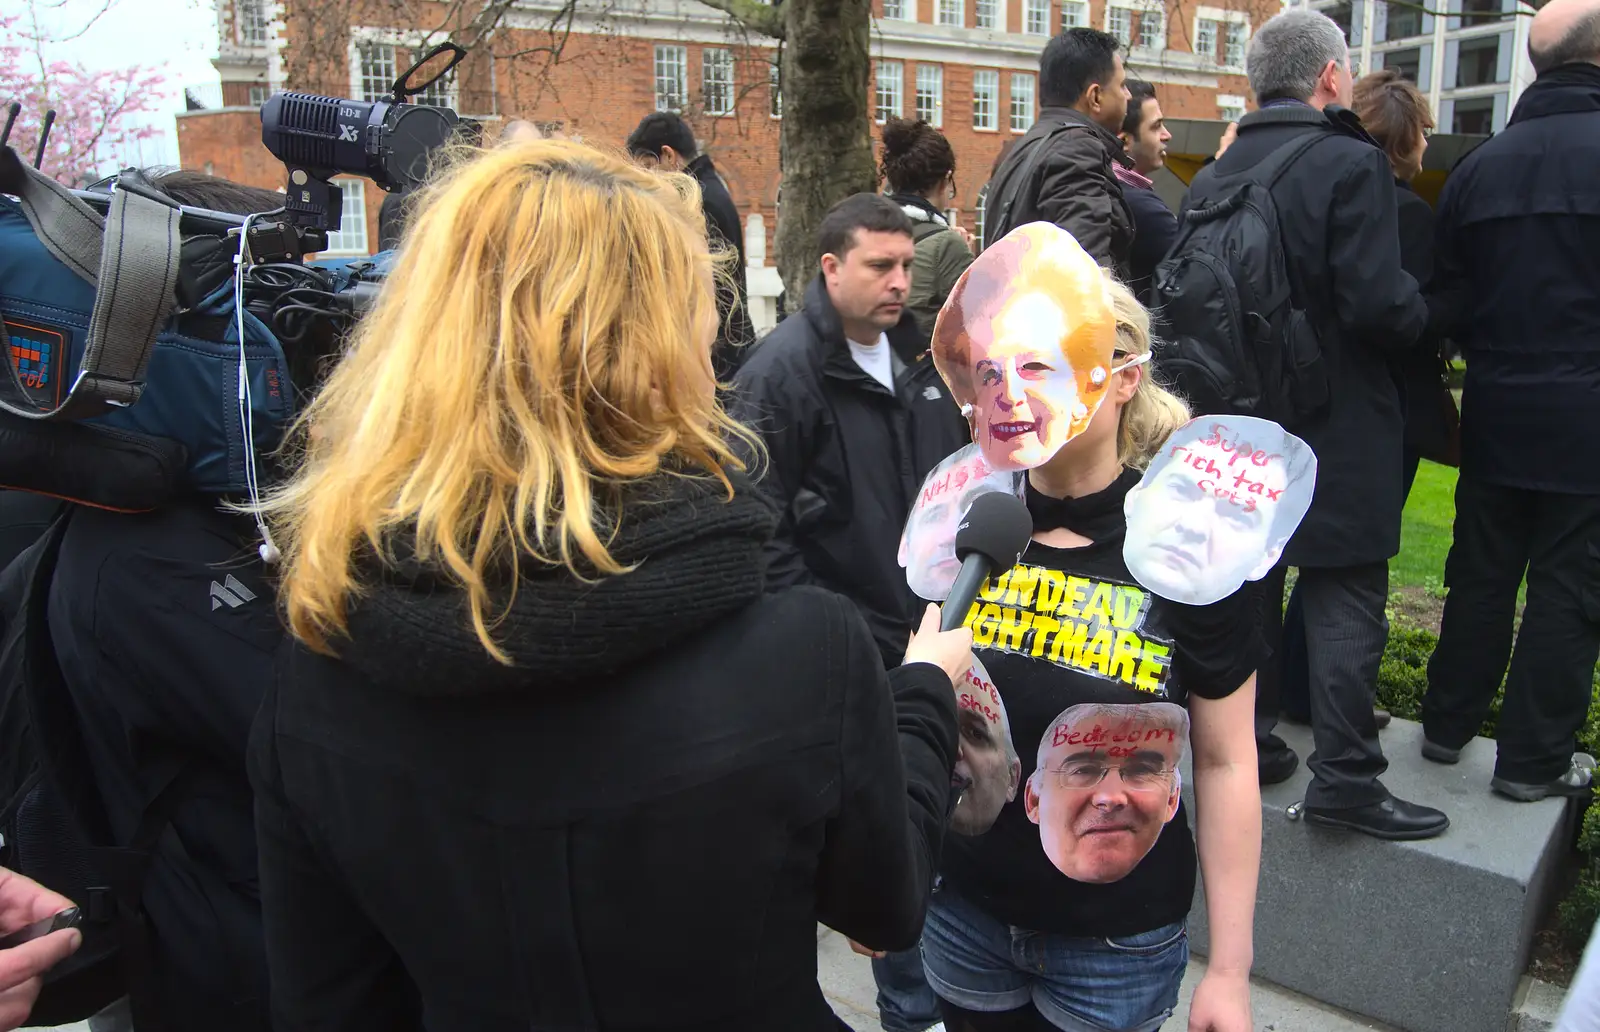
x=992 y=535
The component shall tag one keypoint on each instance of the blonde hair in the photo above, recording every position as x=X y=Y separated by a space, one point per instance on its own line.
x=1153 y=413
x=542 y=341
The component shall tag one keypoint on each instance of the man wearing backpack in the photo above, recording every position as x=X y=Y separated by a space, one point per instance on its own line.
x=1318 y=188
x=1062 y=170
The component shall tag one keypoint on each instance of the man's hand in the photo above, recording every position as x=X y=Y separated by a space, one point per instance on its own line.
x=1221 y=1004
x=865 y=952
x=22 y=902
x=1228 y=136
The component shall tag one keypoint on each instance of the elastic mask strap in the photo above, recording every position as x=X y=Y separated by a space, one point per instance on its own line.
x=1137 y=360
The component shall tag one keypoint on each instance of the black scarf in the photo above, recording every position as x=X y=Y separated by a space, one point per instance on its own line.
x=697 y=559
x=1097 y=516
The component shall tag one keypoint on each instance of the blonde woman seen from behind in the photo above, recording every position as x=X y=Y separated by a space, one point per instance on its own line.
x=544 y=756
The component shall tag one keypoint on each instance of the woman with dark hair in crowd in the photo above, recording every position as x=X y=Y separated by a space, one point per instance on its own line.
x=920 y=168
x=1396 y=113
x=546 y=755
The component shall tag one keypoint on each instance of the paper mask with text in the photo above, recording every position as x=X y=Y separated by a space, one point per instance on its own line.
x=1105 y=785
x=987 y=769
x=1026 y=340
x=928 y=543
x=1216 y=507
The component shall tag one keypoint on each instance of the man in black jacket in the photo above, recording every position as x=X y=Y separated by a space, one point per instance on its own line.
x=853 y=416
x=1518 y=258
x=1336 y=211
x=1061 y=171
x=1144 y=139
x=666 y=139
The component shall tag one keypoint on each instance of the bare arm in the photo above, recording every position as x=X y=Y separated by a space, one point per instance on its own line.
x=1228 y=826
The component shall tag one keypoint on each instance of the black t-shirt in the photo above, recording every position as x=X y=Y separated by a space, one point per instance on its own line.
x=1071 y=627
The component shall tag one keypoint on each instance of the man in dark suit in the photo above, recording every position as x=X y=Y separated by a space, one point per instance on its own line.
x=1336 y=213
x=664 y=138
x=1519 y=221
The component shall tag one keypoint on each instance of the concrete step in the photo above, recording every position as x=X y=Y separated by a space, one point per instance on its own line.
x=1426 y=936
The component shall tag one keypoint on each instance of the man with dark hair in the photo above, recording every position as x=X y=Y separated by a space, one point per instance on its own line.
x=665 y=139
x=1061 y=171
x=1518 y=266
x=1144 y=138
x=1336 y=215
x=854 y=416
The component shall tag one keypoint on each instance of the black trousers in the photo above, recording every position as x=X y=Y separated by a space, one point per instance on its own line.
x=1344 y=630
x=1500 y=532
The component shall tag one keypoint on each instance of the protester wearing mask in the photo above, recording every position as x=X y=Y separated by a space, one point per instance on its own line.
x=920 y=168
x=1069 y=912
x=544 y=755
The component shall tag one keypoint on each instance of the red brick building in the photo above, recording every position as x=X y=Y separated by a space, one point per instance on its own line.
x=967 y=66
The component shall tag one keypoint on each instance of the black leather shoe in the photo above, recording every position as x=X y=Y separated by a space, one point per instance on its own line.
x=1275 y=761
x=1393 y=819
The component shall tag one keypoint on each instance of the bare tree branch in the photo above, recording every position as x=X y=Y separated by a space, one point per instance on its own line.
x=760 y=17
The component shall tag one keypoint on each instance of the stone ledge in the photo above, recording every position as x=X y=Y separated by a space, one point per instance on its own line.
x=1428 y=936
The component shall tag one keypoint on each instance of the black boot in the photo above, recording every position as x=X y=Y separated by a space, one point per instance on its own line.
x=1275 y=761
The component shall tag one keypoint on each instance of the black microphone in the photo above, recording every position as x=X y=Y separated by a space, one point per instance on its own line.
x=993 y=534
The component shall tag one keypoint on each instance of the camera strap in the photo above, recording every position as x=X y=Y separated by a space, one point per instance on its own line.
x=131 y=257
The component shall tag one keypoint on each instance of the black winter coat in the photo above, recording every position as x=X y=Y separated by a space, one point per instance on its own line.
x=1420 y=370
x=845 y=459
x=1157 y=229
x=165 y=628
x=1519 y=264
x=734 y=332
x=636 y=825
x=1341 y=240
x=1068 y=182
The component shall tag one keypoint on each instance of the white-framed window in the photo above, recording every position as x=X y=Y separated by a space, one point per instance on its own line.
x=930 y=94
x=988 y=14
x=775 y=88
x=1229 y=107
x=1021 y=102
x=259 y=95
x=1152 y=30
x=1036 y=17
x=1206 y=33
x=985 y=100
x=716 y=81
x=897 y=9
x=1119 y=22
x=891 y=87
x=1073 y=14
x=980 y=208
x=1233 y=41
x=441 y=92
x=352 y=235
x=950 y=12
x=672 y=77
x=252 y=16
x=378 y=70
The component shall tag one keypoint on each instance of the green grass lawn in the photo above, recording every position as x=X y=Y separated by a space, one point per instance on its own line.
x=1425 y=529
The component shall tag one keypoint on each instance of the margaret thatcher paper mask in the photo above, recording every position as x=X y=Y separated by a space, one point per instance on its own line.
x=1026 y=339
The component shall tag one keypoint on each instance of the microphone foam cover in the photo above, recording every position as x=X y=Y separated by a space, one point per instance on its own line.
x=996 y=526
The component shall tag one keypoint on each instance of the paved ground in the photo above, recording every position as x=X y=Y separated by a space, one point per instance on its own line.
x=847 y=981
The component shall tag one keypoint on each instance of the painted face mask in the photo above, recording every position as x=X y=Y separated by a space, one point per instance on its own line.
x=928 y=543
x=987 y=770
x=1026 y=340
x=1216 y=507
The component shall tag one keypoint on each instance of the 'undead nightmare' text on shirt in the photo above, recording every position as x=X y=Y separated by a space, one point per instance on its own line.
x=1087 y=624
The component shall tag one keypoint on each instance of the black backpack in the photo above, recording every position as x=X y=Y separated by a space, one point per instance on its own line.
x=1229 y=336
x=53 y=822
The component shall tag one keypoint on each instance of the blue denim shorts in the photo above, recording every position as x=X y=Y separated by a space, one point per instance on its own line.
x=1124 y=984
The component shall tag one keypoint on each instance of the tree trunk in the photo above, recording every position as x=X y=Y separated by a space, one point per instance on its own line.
x=826 y=142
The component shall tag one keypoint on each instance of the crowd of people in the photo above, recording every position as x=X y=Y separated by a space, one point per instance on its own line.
x=588 y=677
